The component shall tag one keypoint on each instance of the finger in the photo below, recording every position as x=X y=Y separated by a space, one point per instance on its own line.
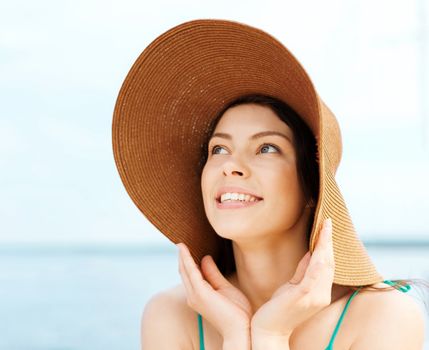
x=183 y=272
x=193 y=272
x=324 y=251
x=212 y=273
x=325 y=233
x=320 y=271
x=317 y=279
x=329 y=251
x=300 y=270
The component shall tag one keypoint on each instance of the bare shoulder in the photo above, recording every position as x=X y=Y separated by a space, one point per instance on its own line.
x=168 y=322
x=388 y=320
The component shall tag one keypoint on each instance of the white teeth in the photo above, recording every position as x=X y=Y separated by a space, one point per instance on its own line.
x=237 y=197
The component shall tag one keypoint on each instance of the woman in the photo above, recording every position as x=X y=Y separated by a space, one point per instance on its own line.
x=223 y=143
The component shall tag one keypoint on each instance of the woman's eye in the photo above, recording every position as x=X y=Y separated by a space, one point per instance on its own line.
x=214 y=148
x=266 y=146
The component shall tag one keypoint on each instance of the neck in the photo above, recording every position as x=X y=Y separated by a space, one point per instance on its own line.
x=264 y=265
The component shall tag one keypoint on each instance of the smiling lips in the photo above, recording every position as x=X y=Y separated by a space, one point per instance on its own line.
x=234 y=190
x=228 y=196
x=235 y=204
x=235 y=197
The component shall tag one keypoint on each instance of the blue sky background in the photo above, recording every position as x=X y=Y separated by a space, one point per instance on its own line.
x=62 y=64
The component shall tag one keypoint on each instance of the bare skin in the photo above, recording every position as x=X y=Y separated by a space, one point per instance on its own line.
x=368 y=311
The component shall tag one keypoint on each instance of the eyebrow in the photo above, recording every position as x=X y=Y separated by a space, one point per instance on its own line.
x=253 y=137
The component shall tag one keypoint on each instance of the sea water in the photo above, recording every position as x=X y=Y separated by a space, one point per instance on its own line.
x=92 y=297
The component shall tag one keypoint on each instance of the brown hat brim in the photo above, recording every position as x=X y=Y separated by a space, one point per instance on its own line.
x=162 y=118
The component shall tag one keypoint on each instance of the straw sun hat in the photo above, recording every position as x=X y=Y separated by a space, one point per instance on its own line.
x=162 y=117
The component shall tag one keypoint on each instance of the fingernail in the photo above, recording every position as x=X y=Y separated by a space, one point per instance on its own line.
x=328 y=223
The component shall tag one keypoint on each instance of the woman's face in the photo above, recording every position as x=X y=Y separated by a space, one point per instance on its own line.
x=263 y=165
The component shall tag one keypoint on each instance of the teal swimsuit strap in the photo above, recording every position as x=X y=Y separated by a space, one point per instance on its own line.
x=337 y=327
x=200 y=330
x=404 y=289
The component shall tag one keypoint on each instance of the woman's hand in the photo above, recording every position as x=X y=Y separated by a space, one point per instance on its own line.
x=308 y=292
x=214 y=297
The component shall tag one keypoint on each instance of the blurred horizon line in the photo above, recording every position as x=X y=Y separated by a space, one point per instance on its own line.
x=135 y=248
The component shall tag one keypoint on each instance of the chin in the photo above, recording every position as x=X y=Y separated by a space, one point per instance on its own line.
x=235 y=232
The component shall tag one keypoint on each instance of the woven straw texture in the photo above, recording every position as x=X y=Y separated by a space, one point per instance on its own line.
x=162 y=117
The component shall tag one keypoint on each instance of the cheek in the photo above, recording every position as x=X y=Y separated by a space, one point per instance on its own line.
x=283 y=186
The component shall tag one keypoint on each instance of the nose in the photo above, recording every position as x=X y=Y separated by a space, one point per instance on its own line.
x=234 y=167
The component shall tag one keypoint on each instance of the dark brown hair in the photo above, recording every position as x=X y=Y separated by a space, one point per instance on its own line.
x=308 y=172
